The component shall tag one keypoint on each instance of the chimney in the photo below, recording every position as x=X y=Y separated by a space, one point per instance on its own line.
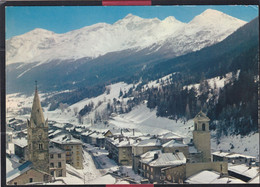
x=121 y=132
x=155 y=156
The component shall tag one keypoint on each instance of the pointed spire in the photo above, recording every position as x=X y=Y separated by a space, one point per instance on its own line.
x=37 y=113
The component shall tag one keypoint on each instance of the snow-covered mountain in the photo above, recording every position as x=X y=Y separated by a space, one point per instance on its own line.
x=168 y=36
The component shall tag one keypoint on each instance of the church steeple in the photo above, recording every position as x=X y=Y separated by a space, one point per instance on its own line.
x=37 y=116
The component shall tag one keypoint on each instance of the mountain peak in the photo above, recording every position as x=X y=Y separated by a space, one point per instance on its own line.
x=171 y=19
x=215 y=17
x=131 y=16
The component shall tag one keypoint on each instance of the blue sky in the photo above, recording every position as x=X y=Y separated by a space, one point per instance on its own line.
x=20 y=20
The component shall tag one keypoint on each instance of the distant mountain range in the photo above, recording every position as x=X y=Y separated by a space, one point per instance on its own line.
x=104 y=53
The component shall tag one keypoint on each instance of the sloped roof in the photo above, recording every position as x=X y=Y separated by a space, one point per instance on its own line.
x=244 y=170
x=170 y=135
x=149 y=156
x=149 y=142
x=211 y=177
x=21 y=142
x=201 y=117
x=169 y=159
x=231 y=155
x=18 y=171
x=174 y=143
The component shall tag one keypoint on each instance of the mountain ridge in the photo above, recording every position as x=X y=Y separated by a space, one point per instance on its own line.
x=131 y=32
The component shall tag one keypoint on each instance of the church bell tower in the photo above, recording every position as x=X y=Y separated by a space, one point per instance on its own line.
x=201 y=135
x=38 y=141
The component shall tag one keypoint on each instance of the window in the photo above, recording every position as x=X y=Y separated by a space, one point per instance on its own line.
x=78 y=164
x=59 y=155
x=15 y=183
x=52 y=173
x=203 y=126
x=52 y=165
x=196 y=127
x=143 y=167
x=59 y=164
x=40 y=146
x=77 y=146
x=51 y=155
x=31 y=180
x=77 y=152
x=151 y=177
x=151 y=169
x=147 y=175
x=176 y=151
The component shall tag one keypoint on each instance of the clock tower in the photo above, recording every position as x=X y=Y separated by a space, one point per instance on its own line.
x=38 y=141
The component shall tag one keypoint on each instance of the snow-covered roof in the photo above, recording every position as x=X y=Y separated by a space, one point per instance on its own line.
x=18 y=171
x=244 y=170
x=66 y=140
x=149 y=156
x=170 y=135
x=78 y=129
x=97 y=135
x=255 y=180
x=21 y=142
x=192 y=150
x=11 y=164
x=164 y=159
x=174 y=143
x=211 y=177
x=148 y=142
x=86 y=133
x=121 y=142
x=232 y=155
x=169 y=159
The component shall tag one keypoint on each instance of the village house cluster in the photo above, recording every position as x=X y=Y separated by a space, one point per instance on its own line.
x=43 y=152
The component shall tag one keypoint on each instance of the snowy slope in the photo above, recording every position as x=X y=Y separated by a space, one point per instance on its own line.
x=131 y=32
